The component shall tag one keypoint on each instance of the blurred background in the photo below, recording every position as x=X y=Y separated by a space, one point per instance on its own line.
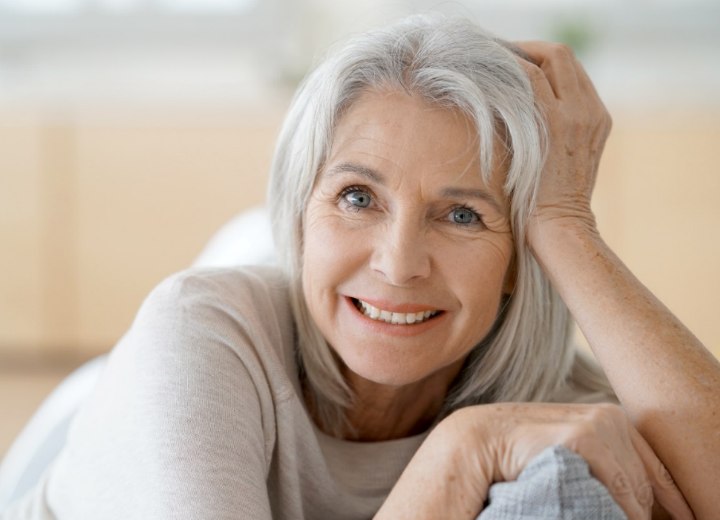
x=131 y=130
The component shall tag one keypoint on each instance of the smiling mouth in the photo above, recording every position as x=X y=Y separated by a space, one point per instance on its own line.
x=394 y=318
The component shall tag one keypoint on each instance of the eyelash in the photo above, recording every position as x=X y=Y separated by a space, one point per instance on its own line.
x=363 y=189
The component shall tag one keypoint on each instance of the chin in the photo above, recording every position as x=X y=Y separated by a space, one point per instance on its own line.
x=396 y=373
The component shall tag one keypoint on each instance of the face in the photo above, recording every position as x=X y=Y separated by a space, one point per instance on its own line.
x=406 y=249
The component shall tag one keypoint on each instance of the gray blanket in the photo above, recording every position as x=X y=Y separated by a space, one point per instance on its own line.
x=555 y=485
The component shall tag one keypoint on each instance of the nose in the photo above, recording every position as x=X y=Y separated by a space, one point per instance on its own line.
x=400 y=251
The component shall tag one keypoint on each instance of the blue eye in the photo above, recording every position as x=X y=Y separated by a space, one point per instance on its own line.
x=357 y=198
x=464 y=216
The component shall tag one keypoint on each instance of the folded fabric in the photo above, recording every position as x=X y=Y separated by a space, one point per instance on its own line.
x=555 y=485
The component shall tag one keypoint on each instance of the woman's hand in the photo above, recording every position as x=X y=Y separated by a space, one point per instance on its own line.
x=578 y=126
x=616 y=453
x=452 y=471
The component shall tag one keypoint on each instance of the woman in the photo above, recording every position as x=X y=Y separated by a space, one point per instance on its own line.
x=430 y=199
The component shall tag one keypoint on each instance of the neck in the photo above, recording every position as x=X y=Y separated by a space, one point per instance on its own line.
x=403 y=416
x=385 y=412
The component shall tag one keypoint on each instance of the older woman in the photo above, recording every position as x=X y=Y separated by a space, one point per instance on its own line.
x=430 y=199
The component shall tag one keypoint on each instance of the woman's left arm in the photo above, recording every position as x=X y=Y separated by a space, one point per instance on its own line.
x=666 y=380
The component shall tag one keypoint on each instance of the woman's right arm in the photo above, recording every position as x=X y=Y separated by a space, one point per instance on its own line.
x=174 y=419
x=450 y=475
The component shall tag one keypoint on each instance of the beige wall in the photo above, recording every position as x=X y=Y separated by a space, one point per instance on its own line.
x=657 y=205
x=95 y=211
x=94 y=214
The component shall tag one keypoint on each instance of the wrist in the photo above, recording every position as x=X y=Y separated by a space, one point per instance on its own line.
x=465 y=432
x=550 y=230
x=446 y=478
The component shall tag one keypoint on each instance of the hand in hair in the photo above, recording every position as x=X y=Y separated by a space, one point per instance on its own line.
x=578 y=126
x=451 y=473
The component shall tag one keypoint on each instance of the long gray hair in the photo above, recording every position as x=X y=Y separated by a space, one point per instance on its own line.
x=528 y=356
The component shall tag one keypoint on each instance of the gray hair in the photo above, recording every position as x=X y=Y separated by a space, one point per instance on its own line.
x=528 y=355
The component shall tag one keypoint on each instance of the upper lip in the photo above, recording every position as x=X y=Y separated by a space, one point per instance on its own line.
x=387 y=305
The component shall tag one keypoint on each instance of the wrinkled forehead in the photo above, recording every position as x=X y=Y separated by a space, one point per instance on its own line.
x=491 y=147
x=400 y=135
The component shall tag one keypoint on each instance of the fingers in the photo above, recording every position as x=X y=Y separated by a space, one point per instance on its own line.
x=632 y=472
x=619 y=484
x=544 y=93
x=559 y=65
x=565 y=74
x=613 y=461
x=602 y=434
x=663 y=485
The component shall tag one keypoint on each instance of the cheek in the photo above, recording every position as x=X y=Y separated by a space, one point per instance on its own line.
x=479 y=275
x=331 y=253
x=327 y=243
x=485 y=259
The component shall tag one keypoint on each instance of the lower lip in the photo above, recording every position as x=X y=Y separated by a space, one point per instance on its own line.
x=391 y=329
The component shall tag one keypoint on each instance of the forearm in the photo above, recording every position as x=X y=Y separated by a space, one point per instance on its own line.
x=664 y=377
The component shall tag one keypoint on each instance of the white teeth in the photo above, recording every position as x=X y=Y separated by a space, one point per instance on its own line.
x=396 y=318
x=374 y=313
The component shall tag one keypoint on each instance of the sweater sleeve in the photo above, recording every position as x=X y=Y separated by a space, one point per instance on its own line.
x=178 y=426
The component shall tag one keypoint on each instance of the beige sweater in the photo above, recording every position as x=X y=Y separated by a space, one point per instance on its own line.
x=199 y=415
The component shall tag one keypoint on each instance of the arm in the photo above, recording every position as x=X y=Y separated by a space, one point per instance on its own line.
x=450 y=475
x=665 y=379
x=439 y=481
x=174 y=418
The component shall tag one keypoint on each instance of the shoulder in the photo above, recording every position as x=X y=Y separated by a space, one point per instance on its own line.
x=224 y=300
x=190 y=394
x=218 y=318
x=242 y=288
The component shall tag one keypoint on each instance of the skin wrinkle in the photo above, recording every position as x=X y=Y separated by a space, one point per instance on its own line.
x=472 y=144
x=457 y=193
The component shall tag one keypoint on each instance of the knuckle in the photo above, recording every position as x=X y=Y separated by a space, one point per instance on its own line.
x=608 y=120
x=613 y=410
x=665 y=479
x=534 y=72
x=562 y=49
x=620 y=485
x=645 y=494
x=580 y=436
x=606 y=411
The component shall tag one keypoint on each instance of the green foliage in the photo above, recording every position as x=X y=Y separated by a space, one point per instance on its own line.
x=577 y=33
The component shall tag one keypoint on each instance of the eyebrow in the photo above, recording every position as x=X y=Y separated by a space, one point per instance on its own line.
x=469 y=193
x=451 y=192
x=348 y=167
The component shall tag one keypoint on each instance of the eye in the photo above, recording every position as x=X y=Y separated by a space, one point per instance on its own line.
x=464 y=216
x=356 y=197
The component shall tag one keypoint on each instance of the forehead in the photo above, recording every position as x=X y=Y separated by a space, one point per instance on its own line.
x=399 y=119
x=401 y=132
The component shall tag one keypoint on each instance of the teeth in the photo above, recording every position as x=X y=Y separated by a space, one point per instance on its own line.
x=396 y=318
